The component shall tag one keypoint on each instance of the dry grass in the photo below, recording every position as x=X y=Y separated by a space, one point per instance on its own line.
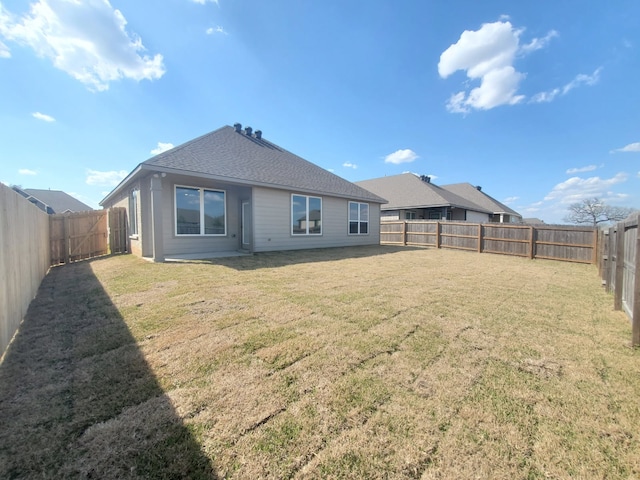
x=348 y=363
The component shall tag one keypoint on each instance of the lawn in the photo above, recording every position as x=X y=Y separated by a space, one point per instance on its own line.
x=374 y=362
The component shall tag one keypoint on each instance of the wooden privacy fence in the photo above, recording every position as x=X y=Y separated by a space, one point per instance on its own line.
x=565 y=243
x=82 y=235
x=619 y=263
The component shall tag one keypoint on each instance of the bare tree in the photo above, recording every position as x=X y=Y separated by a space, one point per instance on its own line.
x=595 y=211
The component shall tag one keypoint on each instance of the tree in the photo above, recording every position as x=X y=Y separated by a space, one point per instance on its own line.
x=595 y=211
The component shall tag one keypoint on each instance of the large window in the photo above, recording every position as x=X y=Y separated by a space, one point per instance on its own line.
x=200 y=211
x=133 y=212
x=306 y=215
x=358 y=218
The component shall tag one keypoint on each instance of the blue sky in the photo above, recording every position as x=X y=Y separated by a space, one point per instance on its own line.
x=536 y=101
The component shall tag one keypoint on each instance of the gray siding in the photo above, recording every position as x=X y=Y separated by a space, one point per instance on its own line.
x=272 y=223
x=477 y=217
x=270 y=220
x=138 y=244
x=176 y=245
x=144 y=218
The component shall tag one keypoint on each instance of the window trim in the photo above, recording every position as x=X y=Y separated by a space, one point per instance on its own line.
x=201 y=191
x=358 y=221
x=134 y=196
x=308 y=233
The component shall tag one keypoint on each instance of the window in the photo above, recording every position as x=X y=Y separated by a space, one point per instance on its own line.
x=306 y=215
x=358 y=218
x=409 y=215
x=133 y=212
x=200 y=211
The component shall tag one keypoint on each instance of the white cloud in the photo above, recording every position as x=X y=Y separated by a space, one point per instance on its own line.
x=112 y=178
x=43 y=117
x=581 y=79
x=510 y=200
x=26 y=171
x=162 y=147
x=350 y=165
x=488 y=55
x=575 y=189
x=86 y=39
x=538 y=43
x=401 y=156
x=202 y=2
x=218 y=29
x=545 y=97
x=588 y=168
x=632 y=147
x=4 y=50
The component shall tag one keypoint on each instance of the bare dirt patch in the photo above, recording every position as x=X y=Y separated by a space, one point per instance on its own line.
x=372 y=362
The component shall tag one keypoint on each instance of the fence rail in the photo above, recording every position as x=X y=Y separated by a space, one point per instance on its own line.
x=557 y=242
x=618 y=264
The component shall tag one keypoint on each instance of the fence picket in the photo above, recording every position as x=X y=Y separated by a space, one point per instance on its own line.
x=82 y=235
x=566 y=243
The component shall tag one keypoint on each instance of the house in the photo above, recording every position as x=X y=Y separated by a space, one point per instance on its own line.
x=411 y=197
x=500 y=213
x=52 y=201
x=232 y=189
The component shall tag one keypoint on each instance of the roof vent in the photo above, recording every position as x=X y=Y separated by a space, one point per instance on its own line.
x=259 y=134
x=479 y=188
x=238 y=127
x=247 y=131
x=425 y=178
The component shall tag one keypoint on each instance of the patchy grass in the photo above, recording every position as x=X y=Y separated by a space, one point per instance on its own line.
x=374 y=362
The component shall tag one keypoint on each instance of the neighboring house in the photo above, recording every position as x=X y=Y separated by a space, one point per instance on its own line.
x=500 y=213
x=411 y=197
x=233 y=190
x=52 y=201
x=533 y=221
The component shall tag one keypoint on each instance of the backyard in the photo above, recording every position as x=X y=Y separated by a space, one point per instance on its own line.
x=373 y=362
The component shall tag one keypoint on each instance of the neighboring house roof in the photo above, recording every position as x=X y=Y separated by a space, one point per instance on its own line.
x=533 y=221
x=237 y=156
x=409 y=191
x=477 y=196
x=53 y=201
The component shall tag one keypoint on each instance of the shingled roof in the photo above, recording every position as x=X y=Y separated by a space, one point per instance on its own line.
x=53 y=201
x=477 y=196
x=409 y=191
x=239 y=156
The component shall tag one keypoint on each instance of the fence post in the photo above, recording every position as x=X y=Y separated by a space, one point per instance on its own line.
x=66 y=237
x=438 y=234
x=611 y=258
x=603 y=251
x=479 y=238
x=532 y=233
x=619 y=273
x=594 y=254
x=635 y=314
x=404 y=233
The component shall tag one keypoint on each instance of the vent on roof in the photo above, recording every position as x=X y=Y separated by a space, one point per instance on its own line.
x=259 y=134
x=247 y=131
x=238 y=127
x=479 y=188
x=425 y=178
